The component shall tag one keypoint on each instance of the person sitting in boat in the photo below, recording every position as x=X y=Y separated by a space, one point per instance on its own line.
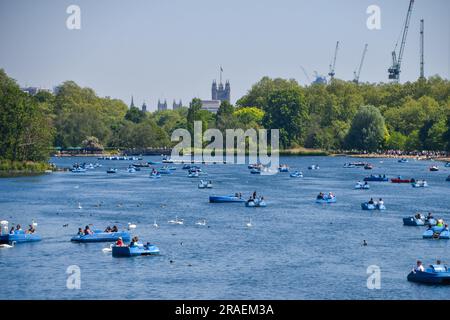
x=371 y=201
x=134 y=241
x=87 y=231
x=418 y=215
x=330 y=195
x=380 y=202
x=12 y=230
x=250 y=199
x=419 y=267
x=254 y=194
x=108 y=229
x=440 y=223
x=114 y=229
x=18 y=227
x=31 y=229
x=413 y=180
x=320 y=196
x=445 y=227
x=80 y=232
x=119 y=242
x=365 y=183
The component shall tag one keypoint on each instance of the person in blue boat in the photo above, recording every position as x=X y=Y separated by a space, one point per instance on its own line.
x=134 y=241
x=18 y=227
x=371 y=201
x=119 y=242
x=419 y=267
x=380 y=202
x=11 y=231
x=115 y=229
x=108 y=229
x=254 y=194
x=320 y=196
x=80 y=232
x=31 y=229
x=87 y=231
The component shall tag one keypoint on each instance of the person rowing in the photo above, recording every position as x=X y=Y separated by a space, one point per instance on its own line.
x=87 y=231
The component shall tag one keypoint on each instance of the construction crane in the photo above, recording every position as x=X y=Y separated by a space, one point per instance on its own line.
x=422 y=63
x=306 y=74
x=394 y=70
x=357 y=72
x=333 y=64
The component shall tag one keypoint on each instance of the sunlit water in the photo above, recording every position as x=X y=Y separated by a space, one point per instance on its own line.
x=296 y=249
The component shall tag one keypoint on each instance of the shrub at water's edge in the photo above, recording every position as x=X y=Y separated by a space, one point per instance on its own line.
x=13 y=168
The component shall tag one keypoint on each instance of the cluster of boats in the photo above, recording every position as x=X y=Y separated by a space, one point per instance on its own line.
x=436 y=228
x=83 y=167
x=123 y=158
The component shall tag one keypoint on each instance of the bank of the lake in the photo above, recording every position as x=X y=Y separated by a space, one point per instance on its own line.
x=9 y=168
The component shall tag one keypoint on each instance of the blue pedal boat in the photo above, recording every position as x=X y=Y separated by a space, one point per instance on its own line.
x=435 y=274
x=413 y=221
x=100 y=236
x=376 y=178
x=437 y=233
x=326 y=199
x=374 y=206
x=19 y=236
x=225 y=199
x=133 y=251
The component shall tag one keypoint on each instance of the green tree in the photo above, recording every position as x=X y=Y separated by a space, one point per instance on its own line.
x=367 y=130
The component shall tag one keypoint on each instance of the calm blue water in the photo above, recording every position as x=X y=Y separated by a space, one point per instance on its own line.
x=296 y=249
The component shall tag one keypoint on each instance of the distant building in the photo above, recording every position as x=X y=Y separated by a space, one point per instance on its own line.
x=176 y=106
x=211 y=105
x=144 y=107
x=219 y=92
x=34 y=90
x=162 y=105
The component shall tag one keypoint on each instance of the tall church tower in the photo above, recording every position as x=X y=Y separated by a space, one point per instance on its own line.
x=132 y=103
x=214 y=90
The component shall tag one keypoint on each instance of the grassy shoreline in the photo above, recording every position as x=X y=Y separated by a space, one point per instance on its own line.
x=10 y=168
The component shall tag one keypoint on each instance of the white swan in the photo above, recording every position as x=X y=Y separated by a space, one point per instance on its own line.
x=249 y=223
x=201 y=222
x=106 y=250
x=79 y=206
x=155 y=225
x=7 y=246
x=131 y=226
x=176 y=221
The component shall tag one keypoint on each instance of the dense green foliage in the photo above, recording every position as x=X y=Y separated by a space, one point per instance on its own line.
x=416 y=114
x=336 y=116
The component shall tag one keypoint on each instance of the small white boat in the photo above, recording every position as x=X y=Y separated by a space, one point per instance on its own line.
x=314 y=167
x=205 y=184
x=201 y=222
x=360 y=185
x=420 y=184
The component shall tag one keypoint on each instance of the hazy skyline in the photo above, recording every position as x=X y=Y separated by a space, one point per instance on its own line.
x=172 y=49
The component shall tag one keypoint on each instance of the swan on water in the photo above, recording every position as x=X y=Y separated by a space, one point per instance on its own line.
x=79 y=206
x=249 y=223
x=155 y=225
x=131 y=226
x=7 y=246
x=106 y=250
x=201 y=222
x=176 y=221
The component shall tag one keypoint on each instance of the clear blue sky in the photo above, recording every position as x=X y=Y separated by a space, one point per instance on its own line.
x=173 y=48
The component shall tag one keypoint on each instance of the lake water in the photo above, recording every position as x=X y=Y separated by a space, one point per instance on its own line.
x=296 y=249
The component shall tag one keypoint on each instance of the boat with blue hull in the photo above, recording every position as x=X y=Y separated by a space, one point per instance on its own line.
x=372 y=206
x=376 y=178
x=296 y=174
x=256 y=203
x=437 y=233
x=225 y=199
x=419 y=220
x=134 y=251
x=100 y=236
x=435 y=274
x=19 y=236
x=326 y=199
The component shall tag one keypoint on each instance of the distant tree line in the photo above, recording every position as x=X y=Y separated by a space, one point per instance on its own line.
x=336 y=116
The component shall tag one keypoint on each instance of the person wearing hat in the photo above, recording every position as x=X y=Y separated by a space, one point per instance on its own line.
x=119 y=242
